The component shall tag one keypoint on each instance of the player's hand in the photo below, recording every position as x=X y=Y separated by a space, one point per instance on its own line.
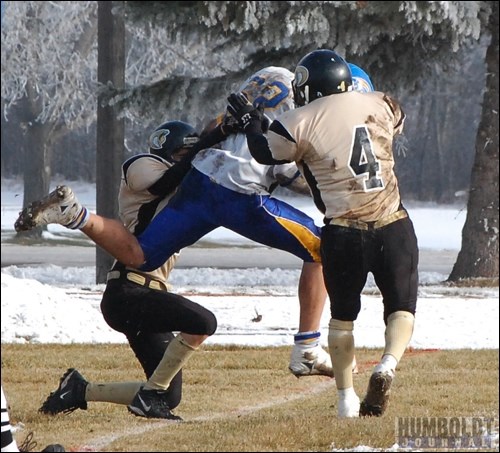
x=229 y=125
x=242 y=110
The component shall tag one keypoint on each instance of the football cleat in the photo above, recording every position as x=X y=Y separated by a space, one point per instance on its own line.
x=377 y=395
x=59 y=206
x=152 y=404
x=348 y=406
x=307 y=361
x=69 y=396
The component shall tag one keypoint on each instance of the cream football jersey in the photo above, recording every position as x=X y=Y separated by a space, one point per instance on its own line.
x=343 y=145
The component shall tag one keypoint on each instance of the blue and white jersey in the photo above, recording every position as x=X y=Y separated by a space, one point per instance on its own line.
x=232 y=166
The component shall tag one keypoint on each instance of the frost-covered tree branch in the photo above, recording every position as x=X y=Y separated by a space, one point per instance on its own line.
x=207 y=41
x=40 y=46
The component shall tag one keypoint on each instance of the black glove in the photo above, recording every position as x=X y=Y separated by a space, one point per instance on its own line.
x=230 y=126
x=240 y=108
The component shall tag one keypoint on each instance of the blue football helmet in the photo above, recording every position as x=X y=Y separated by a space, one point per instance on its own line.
x=360 y=79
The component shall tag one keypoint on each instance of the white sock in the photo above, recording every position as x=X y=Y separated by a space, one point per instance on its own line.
x=80 y=220
x=347 y=393
x=386 y=365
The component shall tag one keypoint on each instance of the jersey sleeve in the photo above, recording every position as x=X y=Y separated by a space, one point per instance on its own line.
x=282 y=143
x=286 y=173
x=397 y=112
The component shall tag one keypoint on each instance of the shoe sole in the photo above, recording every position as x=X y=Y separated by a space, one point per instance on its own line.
x=139 y=413
x=377 y=396
x=28 y=218
x=313 y=372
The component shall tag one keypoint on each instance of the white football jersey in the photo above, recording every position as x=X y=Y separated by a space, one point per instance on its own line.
x=231 y=165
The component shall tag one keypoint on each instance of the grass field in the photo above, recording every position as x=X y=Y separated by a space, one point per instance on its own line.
x=243 y=399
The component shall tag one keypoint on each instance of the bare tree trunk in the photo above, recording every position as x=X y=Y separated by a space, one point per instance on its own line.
x=478 y=257
x=110 y=129
x=36 y=162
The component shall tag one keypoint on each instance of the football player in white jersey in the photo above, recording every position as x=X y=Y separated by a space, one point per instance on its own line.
x=255 y=214
x=342 y=142
x=226 y=187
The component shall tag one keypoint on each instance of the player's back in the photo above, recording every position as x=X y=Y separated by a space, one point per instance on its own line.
x=346 y=142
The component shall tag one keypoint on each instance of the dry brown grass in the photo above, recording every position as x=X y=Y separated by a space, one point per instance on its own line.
x=242 y=399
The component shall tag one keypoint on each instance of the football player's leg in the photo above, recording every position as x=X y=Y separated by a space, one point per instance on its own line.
x=148 y=317
x=396 y=275
x=74 y=391
x=397 y=278
x=125 y=306
x=8 y=441
x=342 y=256
x=308 y=357
x=279 y=225
x=341 y=345
x=61 y=206
x=155 y=398
x=195 y=324
x=172 y=312
x=150 y=348
x=312 y=296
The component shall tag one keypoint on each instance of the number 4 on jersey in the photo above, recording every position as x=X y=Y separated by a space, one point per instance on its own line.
x=363 y=162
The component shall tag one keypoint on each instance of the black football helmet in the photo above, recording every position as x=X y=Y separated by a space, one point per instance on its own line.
x=320 y=73
x=171 y=136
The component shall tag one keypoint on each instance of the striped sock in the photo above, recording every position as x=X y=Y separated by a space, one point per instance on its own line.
x=310 y=339
x=80 y=220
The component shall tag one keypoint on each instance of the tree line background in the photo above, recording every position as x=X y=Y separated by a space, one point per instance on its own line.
x=434 y=157
x=179 y=60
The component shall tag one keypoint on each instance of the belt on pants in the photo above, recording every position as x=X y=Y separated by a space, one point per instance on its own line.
x=140 y=279
x=360 y=225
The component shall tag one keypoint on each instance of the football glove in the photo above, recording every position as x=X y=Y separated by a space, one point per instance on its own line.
x=229 y=125
x=242 y=110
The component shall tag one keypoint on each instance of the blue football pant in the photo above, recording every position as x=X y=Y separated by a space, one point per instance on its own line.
x=200 y=206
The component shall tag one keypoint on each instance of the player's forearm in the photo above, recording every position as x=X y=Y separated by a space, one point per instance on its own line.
x=259 y=148
x=175 y=174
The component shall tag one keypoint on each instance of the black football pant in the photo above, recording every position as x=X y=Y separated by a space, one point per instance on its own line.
x=148 y=317
x=390 y=253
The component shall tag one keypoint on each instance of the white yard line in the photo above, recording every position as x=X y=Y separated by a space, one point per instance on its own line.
x=100 y=443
